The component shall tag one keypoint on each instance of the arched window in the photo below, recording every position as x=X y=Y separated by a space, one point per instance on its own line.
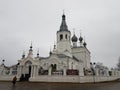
x=52 y=65
x=61 y=37
x=66 y=36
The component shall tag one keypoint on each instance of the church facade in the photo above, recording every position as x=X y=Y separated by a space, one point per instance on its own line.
x=64 y=59
x=67 y=62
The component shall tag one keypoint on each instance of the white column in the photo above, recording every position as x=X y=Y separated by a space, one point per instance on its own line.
x=31 y=71
x=115 y=72
x=107 y=73
x=64 y=71
x=21 y=69
x=18 y=71
x=34 y=71
x=96 y=72
x=49 y=71
x=10 y=71
x=112 y=72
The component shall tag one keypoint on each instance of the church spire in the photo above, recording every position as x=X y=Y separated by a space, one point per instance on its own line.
x=30 y=51
x=31 y=47
x=38 y=53
x=81 y=39
x=3 y=62
x=23 y=55
x=84 y=44
x=50 y=51
x=63 y=26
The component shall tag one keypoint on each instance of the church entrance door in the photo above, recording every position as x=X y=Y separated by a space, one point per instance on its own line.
x=27 y=76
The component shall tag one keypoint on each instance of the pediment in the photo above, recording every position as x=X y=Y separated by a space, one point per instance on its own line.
x=54 y=60
x=28 y=60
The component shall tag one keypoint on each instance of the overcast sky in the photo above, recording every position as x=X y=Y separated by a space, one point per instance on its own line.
x=23 y=21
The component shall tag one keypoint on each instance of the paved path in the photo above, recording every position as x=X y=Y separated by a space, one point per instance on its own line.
x=58 y=86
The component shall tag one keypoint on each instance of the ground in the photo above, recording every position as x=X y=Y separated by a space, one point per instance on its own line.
x=59 y=86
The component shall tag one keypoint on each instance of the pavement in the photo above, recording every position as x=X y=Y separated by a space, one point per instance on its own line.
x=59 y=86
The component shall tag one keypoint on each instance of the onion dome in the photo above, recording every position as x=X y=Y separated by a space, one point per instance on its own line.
x=81 y=39
x=74 y=38
x=84 y=44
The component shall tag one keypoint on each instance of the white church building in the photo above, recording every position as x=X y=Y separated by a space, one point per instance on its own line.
x=67 y=62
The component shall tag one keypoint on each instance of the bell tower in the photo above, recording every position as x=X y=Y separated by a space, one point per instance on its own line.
x=63 y=37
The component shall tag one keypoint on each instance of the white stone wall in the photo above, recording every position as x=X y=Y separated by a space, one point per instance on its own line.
x=72 y=79
x=60 y=62
x=7 y=78
x=82 y=54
